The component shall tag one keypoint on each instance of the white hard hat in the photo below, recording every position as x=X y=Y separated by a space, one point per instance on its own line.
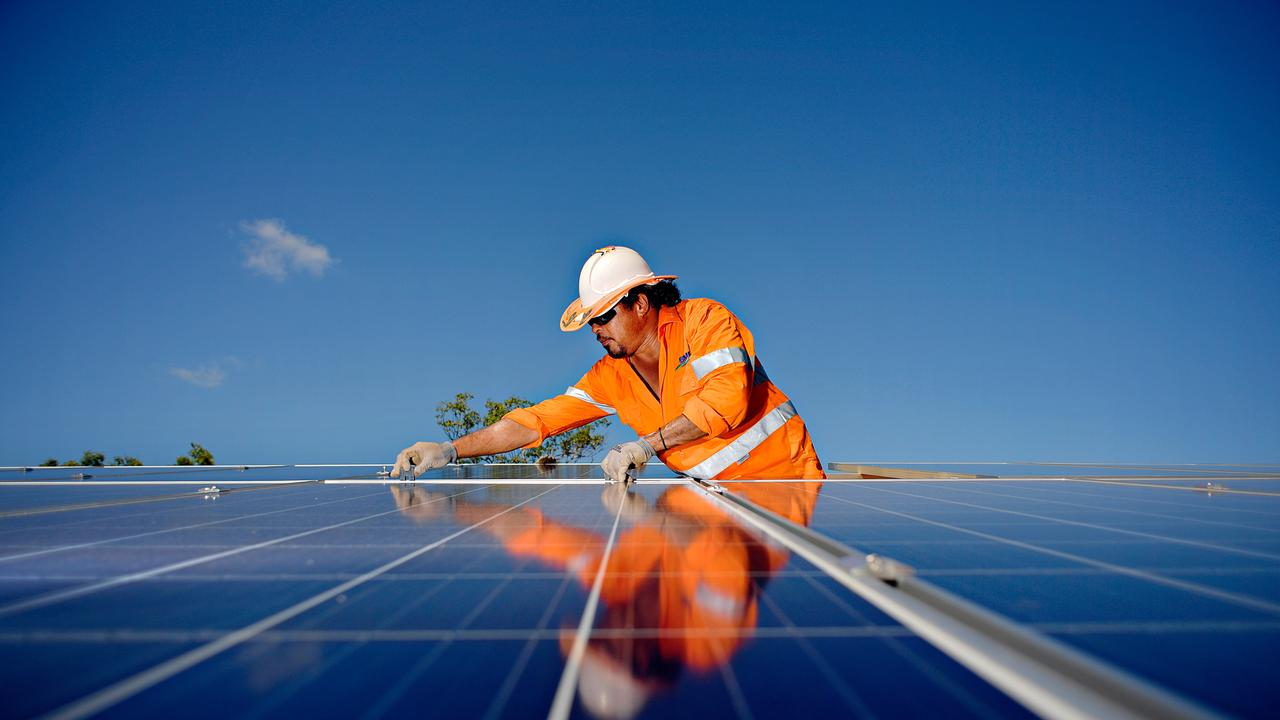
x=607 y=276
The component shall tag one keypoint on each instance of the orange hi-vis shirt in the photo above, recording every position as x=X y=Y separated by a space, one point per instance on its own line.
x=703 y=587
x=708 y=372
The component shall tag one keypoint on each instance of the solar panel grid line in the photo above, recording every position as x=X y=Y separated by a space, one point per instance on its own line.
x=133 y=501
x=1044 y=675
x=253 y=466
x=398 y=578
x=1234 y=598
x=70 y=522
x=955 y=471
x=1057 y=571
x=733 y=689
x=1048 y=463
x=138 y=470
x=892 y=640
x=1154 y=627
x=562 y=703
x=162 y=483
x=123 y=689
x=298 y=684
x=862 y=480
x=1078 y=490
x=468 y=481
x=485 y=635
x=1223 y=491
x=450 y=465
x=1170 y=480
x=850 y=697
x=1040 y=496
x=1143 y=513
x=397 y=690
x=1095 y=526
x=60 y=595
x=1051 y=463
x=387 y=699
x=1193 y=468
x=1111 y=480
x=78 y=546
x=503 y=695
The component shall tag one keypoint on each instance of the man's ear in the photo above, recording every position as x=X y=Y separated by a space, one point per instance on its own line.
x=642 y=306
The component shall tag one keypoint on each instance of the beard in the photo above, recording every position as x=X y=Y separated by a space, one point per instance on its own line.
x=614 y=349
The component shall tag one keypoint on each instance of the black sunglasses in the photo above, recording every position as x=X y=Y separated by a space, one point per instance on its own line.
x=604 y=319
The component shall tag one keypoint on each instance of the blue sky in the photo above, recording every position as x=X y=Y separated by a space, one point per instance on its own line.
x=962 y=231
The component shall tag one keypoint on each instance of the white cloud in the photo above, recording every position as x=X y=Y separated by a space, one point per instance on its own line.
x=206 y=376
x=274 y=251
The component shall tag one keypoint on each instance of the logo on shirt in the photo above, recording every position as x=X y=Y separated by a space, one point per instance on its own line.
x=684 y=359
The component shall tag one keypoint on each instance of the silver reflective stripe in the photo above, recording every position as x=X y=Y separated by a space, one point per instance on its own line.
x=761 y=376
x=718 y=359
x=746 y=442
x=574 y=392
x=717 y=602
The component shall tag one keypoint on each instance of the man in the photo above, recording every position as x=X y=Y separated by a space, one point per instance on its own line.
x=681 y=373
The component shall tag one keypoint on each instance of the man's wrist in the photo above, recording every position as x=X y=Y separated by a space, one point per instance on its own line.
x=648 y=446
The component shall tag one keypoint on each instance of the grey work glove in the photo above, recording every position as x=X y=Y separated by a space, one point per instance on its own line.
x=425 y=456
x=419 y=503
x=619 y=500
x=625 y=457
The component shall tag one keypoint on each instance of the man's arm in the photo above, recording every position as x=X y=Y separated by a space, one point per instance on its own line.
x=677 y=432
x=502 y=436
x=635 y=454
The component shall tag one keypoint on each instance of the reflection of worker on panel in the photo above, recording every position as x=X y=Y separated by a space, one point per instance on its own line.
x=685 y=575
x=683 y=374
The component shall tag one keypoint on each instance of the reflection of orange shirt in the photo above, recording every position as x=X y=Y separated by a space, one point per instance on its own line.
x=708 y=372
x=705 y=589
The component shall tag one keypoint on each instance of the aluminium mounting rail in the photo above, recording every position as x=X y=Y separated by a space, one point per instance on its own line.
x=1044 y=675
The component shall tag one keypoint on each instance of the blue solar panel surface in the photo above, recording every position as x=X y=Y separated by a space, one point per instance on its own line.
x=1180 y=588
x=266 y=593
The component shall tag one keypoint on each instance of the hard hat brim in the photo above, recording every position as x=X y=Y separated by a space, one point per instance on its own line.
x=576 y=316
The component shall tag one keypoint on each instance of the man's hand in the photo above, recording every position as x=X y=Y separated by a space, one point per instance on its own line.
x=618 y=499
x=426 y=456
x=624 y=457
x=418 y=503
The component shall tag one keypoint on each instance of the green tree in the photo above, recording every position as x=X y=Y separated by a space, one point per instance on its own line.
x=92 y=459
x=51 y=462
x=200 y=456
x=71 y=463
x=457 y=418
x=197 y=456
x=125 y=460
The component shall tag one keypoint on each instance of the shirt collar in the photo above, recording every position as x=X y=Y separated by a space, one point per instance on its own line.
x=668 y=315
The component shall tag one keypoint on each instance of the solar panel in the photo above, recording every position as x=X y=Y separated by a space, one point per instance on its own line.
x=499 y=591
x=1180 y=588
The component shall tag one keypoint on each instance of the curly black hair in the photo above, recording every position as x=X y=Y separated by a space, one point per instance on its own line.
x=660 y=294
